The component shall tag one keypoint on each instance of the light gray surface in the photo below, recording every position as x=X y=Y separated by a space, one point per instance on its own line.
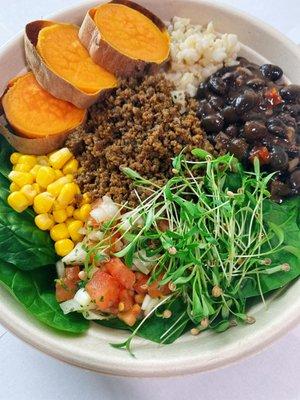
x=26 y=374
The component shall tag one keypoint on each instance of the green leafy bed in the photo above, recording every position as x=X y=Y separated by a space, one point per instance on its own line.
x=27 y=266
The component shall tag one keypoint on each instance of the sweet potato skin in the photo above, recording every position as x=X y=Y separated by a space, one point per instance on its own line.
x=108 y=57
x=49 y=80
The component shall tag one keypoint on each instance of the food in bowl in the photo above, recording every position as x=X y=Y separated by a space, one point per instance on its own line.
x=153 y=226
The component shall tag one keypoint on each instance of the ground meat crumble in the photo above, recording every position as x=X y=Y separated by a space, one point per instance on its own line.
x=139 y=127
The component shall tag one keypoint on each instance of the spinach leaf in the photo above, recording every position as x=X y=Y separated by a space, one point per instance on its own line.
x=21 y=242
x=5 y=152
x=35 y=291
x=286 y=215
x=155 y=327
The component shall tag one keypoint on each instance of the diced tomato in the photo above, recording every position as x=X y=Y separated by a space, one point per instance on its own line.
x=127 y=299
x=66 y=287
x=119 y=271
x=154 y=290
x=140 y=285
x=262 y=153
x=273 y=96
x=130 y=317
x=104 y=290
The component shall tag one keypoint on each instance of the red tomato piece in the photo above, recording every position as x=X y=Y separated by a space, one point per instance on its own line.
x=154 y=290
x=66 y=287
x=104 y=290
x=140 y=285
x=130 y=317
x=119 y=271
x=273 y=96
x=127 y=299
x=262 y=153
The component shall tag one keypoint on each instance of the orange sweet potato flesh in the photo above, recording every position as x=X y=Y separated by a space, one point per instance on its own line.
x=63 y=53
x=132 y=33
x=34 y=113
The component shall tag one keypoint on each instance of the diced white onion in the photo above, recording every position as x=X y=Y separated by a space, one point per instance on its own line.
x=70 y=306
x=82 y=297
x=60 y=269
x=95 y=236
x=76 y=256
x=143 y=263
x=130 y=219
x=149 y=303
x=105 y=211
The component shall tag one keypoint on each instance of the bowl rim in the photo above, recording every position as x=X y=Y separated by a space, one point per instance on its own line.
x=37 y=339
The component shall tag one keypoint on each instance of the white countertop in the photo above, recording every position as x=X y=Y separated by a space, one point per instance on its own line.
x=26 y=374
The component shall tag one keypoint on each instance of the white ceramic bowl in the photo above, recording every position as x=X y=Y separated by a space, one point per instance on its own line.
x=189 y=354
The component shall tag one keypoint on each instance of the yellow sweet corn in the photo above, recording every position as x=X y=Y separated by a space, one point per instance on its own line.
x=45 y=176
x=22 y=167
x=14 y=158
x=43 y=203
x=67 y=194
x=56 y=187
x=59 y=215
x=58 y=173
x=14 y=187
x=20 y=178
x=71 y=167
x=86 y=199
x=25 y=159
x=35 y=170
x=43 y=160
x=69 y=211
x=64 y=247
x=29 y=193
x=69 y=221
x=73 y=229
x=36 y=187
x=83 y=212
x=44 y=222
x=59 y=232
x=59 y=158
x=18 y=201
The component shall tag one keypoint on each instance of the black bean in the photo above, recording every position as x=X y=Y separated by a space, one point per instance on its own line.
x=213 y=123
x=216 y=102
x=295 y=179
x=230 y=115
x=254 y=130
x=270 y=71
x=217 y=85
x=232 y=130
x=201 y=91
x=279 y=160
x=252 y=115
x=276 y=126
x=204 y=109
x=290 y=93
x=239 y=148
x=245 y=102
x=256 y=83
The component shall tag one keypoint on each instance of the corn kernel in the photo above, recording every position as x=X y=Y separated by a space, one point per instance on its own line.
x=67 y=194
x=18 y=201
x=73 y=229
x=63 y=247
x=14 y=187
x=14 y=158
x=57 y=206
x=21 y=178
x=58 y=173
x=59 y=232
x=59 y=215
x=43 y=160
x=59 y=158
x=35 y=170
x=36 y=187
x=45 y=176
x=29 y=193
x=69 y=221
x=70 y=210
x=71 y=167
x=56 y=187
x=30 y=160
x=22 y=167
x=83 y=212
x=43 y=203
x=44 y=222
x=86 y=199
